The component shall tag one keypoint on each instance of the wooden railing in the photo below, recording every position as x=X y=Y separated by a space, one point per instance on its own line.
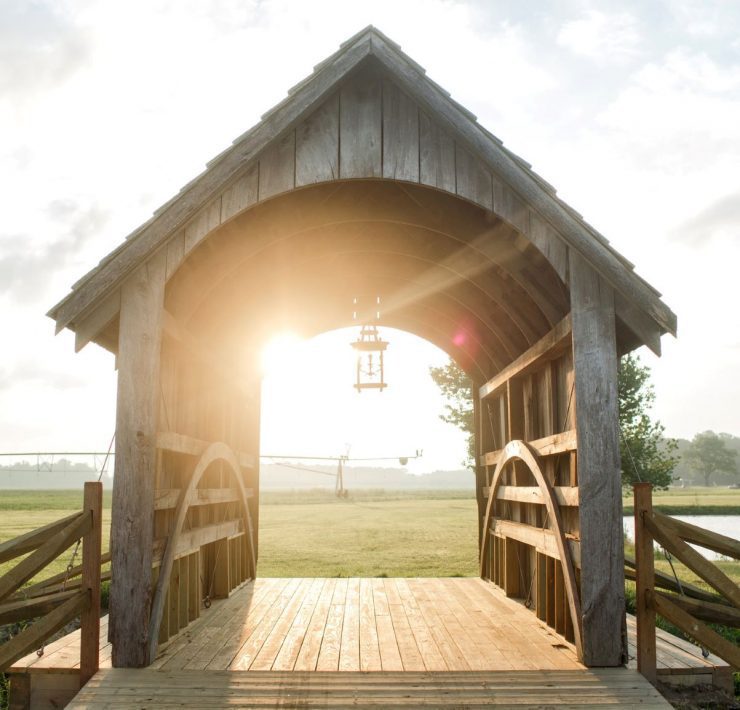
x=690 y=607
x=51 y=602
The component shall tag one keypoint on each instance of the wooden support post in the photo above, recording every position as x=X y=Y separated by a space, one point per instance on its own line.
x=142 y=297
x=90 y=618
x=480 y=470
x=599 y=471
x=644 y=583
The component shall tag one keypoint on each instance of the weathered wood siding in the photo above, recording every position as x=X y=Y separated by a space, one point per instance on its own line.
x=369 y=128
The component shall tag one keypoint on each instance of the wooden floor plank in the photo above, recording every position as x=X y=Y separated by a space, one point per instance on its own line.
x=407 y=646
x=331 y=643
x=249 y=650
x=308 y=656
x=291 y=645
x=119 y=688
x=369 y=645
x=270 y=648
x=349 y=655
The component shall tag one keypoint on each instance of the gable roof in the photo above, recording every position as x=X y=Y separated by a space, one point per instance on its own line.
x=306 y=96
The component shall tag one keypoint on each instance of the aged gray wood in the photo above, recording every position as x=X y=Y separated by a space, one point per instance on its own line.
x=432 y=99
x=96 y=320
x=277 y=167
x=204 y=222
x=599 y=476
x=436 y=155
x=317 y=145
x=473 y=180
x=360 y=128
x=400 y=135
x=509 y=207
x=240 y=195
x=142 y=297
x=184 y=206
x=526 y=185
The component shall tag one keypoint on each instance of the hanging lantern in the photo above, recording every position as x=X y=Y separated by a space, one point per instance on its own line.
x=369 y=347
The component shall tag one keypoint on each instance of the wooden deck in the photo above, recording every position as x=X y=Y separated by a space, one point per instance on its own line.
x=162 y=689
x=463 y=630
x=451 y=624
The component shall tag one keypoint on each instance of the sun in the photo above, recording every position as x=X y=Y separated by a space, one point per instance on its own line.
x=280 y=353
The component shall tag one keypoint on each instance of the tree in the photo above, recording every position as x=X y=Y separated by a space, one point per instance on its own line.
x=646 y=454
x=457 y=388
x=708 y=454
x=643 y=447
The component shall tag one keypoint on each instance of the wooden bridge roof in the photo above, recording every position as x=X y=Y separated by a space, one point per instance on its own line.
x=638 y=304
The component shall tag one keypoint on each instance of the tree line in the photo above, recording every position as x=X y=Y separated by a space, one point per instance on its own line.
x=647 y=453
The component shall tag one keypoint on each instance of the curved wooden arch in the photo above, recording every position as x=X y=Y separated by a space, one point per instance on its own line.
x=521 y=451
x=218 y=451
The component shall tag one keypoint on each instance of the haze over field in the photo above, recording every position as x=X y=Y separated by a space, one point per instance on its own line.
x=629 y=109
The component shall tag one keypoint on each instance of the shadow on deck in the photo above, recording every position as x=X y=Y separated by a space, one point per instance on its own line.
x=290 y=641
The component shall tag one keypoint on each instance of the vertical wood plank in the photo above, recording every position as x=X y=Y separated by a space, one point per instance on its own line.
x=436 y=155
x=645 y=576
x=277 y=167
x=90 y=617
x=184 y=591
x=400 y=135
x=132 y=515
x=194 y=590
x=360 y=127
x=317 y=145
x=473 y=180
x=600 y=488
x=240 y=194
x=173 y=599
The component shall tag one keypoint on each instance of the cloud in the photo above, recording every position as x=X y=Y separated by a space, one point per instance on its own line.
x=606 y=38
x=720 y=218
x=24 y=270
x=39 y=47
x=34 y=371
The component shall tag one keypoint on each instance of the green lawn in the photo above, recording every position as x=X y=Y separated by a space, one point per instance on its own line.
x=693 y=501
x=312 y=533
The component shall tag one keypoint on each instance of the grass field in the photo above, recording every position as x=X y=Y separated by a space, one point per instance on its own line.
x=373 y=533
x=693 y=501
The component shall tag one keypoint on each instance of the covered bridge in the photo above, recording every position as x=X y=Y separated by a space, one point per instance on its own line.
x=367 y=180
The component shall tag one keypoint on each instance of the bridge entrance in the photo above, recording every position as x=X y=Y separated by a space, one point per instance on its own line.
x=368 y=180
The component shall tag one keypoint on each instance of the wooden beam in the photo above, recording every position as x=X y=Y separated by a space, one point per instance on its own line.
x=167 y=498
x=542 y=539
x=548 y=348
x=23 y=609
x=90 y=582
x=193 y=540
x=694 y=560
x=666 y=581
x=707 y=611
x=132 y=515
x=546 y=446
x=49 y=551
x=33 y=539
x=699 y=631
x=183 y=444
x=88 y=327
x=40 y=587
x=33 y=636
x=699 y=536
x=645 y=580
x=599 y=471
x=565 y=495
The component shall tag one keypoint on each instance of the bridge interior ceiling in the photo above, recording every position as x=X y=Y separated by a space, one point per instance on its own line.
x=445 y=270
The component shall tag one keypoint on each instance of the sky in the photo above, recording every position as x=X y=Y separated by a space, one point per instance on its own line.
x=630 y=109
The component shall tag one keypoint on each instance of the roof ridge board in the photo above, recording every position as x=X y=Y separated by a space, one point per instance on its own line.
x=237 y=156
x=554 y=210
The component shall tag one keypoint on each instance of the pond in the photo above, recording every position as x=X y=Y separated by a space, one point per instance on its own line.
x=723 y=524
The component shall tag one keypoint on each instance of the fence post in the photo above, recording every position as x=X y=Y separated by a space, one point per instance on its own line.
x=90 y=619
x=645 y=581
